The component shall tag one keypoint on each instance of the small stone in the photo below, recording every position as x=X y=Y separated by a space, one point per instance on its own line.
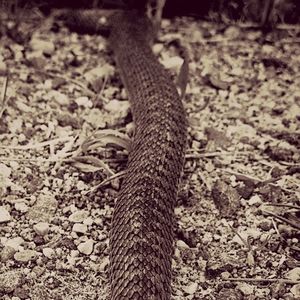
x=157 y=48
x=121 y=108
x=81 y=228
x=4 y=215
x=14 y=243
x=99 y=73
x=232 y=32
x=48 y=252
x=5 y=170
x=86 y=247
x=88 y=221
x=174 y=62
x=7 y=253
x=293 y=274
x=255 y=200
x=41 y=228
x=44 y=209
x=84 y=101
x=9 y=281
x=78 y=216
x=36 y=60
x=103 y=264
x=25 y=256
x=191 y=289
x=295 y=290
x=182 y=244
x=38 y=270
x=21 y=207
x=46 y=47
x=58 y=97
x=226 y=198
x=245 y=288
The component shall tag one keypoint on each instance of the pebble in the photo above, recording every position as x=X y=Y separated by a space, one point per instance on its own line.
x=46 y=47
x=58 y=97
x=21 y=207
x=99 y=72
x=36 y=59
x=245 y=288
x=44 y=209
x=84 y=101
x=174 y=62
x=25 y=255
x=295 y=290
x=7 y=253
x=255 y=200
x=81 y=228
x=14 y=243
x=182 y=244
x=121 y=108
x=293 y=274
x=191 y=289
x=4 y=215
x=105 y=262
x=5 y=170
x=48 y=252
x=88 y=221
x=9 y=281
x=41 y=228
x=78 y=216
x=86 y=247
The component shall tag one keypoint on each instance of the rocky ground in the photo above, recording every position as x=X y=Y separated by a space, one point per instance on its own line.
x=64 y=113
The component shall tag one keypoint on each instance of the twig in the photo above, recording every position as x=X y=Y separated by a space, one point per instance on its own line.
x=208 y=154
x=3 y=99
x=107 y=180
x=283 y=205
x=288 y=281
x=281 y=219
x=248 y=246
x=38 y=145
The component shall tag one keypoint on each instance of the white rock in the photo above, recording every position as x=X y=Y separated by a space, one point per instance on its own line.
x=84 y=101
x=99 y=72
x=81 y=228
x=58 y=97
x=119 y=107
x=254 y=200
x=182 y=244
x=86 y=247
x=5 y=171
x=14 y=243
x=88 y=221
x=41 y=45
x=21 y=206
x=295 y=290
x=4 y=215
x=293 y=274
x=245 y=288
x=41 y=228
x=191 y=289
x=25 y=255
x=78 y=216
x=174 y=62
x=103 y=264
x=48 y=252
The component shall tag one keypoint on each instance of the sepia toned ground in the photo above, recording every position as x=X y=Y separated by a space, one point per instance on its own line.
x=63 y=114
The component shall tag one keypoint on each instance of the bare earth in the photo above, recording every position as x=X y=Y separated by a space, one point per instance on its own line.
x=238 y=231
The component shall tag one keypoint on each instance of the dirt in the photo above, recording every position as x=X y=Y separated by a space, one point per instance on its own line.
x=64 y=123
